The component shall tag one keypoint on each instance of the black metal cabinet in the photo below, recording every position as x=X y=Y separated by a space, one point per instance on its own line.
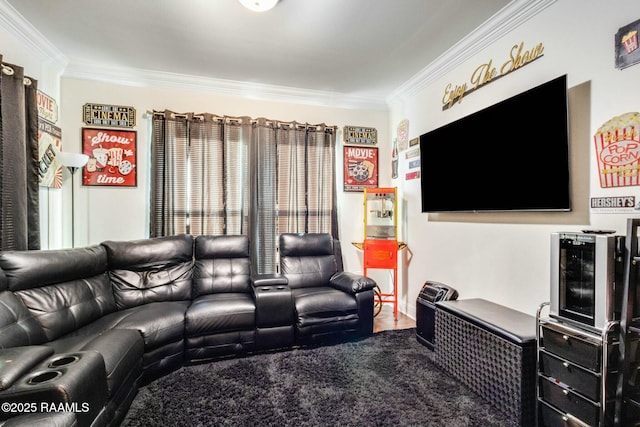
x=627 y=411
x=577 y=373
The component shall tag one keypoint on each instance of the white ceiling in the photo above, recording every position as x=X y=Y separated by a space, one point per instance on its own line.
x=357 y=48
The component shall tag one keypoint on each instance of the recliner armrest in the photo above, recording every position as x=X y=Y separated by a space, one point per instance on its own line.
x=351 y=283
x=15 y=362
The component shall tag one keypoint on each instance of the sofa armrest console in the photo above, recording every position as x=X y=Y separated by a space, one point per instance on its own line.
x=70 y=382
x=16 y=362
x=274 y=311
x=258 y=280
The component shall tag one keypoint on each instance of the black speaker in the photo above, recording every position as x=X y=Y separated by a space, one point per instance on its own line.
x=431 y=293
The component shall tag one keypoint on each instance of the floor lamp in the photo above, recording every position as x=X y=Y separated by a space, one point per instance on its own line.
x=72 y=161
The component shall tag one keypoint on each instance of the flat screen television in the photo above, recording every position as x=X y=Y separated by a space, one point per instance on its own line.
x=511 y=156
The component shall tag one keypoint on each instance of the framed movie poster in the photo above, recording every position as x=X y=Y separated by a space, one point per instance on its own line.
x=112 y=157
x=360 y=168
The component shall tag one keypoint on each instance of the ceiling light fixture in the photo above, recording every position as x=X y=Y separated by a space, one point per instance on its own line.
x=259 y=5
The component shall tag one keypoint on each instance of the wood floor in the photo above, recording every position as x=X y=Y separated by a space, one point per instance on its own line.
x=385 y=321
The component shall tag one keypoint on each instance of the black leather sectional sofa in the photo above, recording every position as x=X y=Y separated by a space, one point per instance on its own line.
x=81 y=329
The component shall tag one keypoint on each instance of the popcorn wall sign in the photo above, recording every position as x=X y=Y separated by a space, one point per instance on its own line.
x=626 y=45
x=618 y=151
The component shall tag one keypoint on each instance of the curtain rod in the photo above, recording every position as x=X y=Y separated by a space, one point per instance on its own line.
x=253 y=121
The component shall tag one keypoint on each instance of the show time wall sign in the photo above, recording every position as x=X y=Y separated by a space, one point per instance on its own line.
x=487 y=73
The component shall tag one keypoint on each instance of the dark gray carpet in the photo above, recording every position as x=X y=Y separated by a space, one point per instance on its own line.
x=386 y=380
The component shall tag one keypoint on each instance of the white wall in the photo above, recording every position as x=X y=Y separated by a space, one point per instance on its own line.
x=105 y=213
x=505 y=257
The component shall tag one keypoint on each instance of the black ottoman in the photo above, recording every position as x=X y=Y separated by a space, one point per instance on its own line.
x=492 y=350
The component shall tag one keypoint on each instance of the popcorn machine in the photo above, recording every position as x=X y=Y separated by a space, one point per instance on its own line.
x=381 y=244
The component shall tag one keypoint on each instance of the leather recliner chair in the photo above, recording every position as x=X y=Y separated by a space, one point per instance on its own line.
x=329 y=303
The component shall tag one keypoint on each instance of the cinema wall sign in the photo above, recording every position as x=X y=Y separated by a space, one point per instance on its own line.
x=360 y=135
x=108 y=115
x=487 y=73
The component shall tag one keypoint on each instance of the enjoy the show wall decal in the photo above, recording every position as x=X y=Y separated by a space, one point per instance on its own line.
x=488 y=72
x=618 y=151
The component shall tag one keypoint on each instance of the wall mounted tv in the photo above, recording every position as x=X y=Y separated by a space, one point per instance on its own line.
x=511 y=156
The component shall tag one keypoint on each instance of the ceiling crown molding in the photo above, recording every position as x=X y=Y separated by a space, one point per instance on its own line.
x=144 y=78
x=36 y=44
x=511 y=16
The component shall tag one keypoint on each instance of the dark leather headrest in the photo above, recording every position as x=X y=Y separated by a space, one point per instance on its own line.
x=126 y=254
x=29 y=269
x=305 y=244
x=228 y=246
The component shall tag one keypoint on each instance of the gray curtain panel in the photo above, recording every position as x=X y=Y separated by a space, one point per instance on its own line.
x=19 y=201
x=237 y=175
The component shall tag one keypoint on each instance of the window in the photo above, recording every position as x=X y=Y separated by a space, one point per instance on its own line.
x=236 y=175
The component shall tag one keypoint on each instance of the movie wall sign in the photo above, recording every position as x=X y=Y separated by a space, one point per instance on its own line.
x=47 y=107
x=49 y=145
x=49 y=142
x=617 y=144
x=360 y=168
x=112 y=157
x=360 y=158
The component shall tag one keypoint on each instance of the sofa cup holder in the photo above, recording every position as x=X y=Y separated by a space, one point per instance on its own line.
x=268 y=288
x=43 y=377
x=63 y=361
